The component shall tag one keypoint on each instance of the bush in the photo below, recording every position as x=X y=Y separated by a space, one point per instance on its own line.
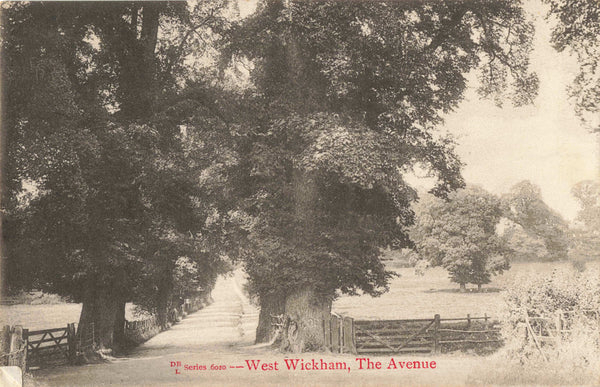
x=572 y=360
x=566 y=289
x=400 y=258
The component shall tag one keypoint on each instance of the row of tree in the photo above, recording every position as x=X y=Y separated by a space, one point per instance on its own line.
x=150 y=144
x=101 y=195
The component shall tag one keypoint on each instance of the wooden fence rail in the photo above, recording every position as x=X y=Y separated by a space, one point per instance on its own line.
x=339 y=333
x=344 y=334
x=13 y=348
x=70 y=344
x=51 y=346
x=547 y=332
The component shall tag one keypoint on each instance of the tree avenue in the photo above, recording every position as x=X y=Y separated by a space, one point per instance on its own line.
x=101 y=201
x=349 y=97
x=133 y=165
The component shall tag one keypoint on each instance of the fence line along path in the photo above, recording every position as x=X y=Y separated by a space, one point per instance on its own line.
x=230 y=319
x=344 y=334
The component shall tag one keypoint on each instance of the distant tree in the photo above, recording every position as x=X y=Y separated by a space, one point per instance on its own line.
x=349 y=95
x=523 y=246
x=586 y=232
x=587 y=193
x=525 y=206
x=578 y=29
x=459 y=234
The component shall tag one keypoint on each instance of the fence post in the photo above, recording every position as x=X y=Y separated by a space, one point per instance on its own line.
x=71 y=342
x=26 y=344
x=26 y=349
x=341 y=335
x=348 y=342
x=436 y=334
x=335 y=333
x=353 y=337
x=5 y=339
x=486 y=320
x=16 y=338
x=327 y=331
x=559 y=325
x=17 y=345
x=468 y=321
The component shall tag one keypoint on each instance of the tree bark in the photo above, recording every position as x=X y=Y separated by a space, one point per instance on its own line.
x=165 y=289
x=138 y=63
x=270 y=305
x=100 y=308
x=149 y=33
x=304 y=314
x=119 y=339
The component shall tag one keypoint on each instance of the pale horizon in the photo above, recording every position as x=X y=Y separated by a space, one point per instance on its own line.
x=544 y=143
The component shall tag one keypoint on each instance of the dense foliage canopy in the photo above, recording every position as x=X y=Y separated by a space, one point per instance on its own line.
x=526 y=207
x=586 y=233
x=577 y=29
x=350 y=96
x=137 y=160
x=100 y=199
x=459 y=234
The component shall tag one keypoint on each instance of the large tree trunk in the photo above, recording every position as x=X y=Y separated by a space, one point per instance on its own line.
x=270 y=305
x=165 y=289
x=119 y=339
x=138 y=62
x=304 y=314
x=100 y=308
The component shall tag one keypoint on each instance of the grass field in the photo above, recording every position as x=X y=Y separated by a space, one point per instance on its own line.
x=413 y=296
x=47 y=315
x=410 y=296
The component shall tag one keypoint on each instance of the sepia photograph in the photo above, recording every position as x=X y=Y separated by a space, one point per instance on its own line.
x=300 y=193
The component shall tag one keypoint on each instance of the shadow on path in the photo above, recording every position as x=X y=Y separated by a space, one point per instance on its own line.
x=224 y=328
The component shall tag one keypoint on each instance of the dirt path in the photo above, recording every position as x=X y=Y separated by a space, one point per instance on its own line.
x=223 y=327
x=221 y=336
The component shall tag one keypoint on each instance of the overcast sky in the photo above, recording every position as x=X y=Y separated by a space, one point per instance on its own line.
x=544 y=143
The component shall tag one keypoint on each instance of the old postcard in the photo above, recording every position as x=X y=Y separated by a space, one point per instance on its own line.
x=298 y=192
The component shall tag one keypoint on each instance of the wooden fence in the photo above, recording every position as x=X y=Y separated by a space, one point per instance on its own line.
x=13 y=348
x=70 y=344
x=344 y=334
x=9 y=300
x=50 y=346
x=138 y=331
x=549 y=331
x=339 y=333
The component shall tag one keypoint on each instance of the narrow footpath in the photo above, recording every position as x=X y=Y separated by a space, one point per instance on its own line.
x=220 y=330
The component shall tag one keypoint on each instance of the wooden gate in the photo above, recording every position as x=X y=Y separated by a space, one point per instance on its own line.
x=339 y=333
x=397 y=336
x=549 y=331
x=56 y=345
x=427 y=335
